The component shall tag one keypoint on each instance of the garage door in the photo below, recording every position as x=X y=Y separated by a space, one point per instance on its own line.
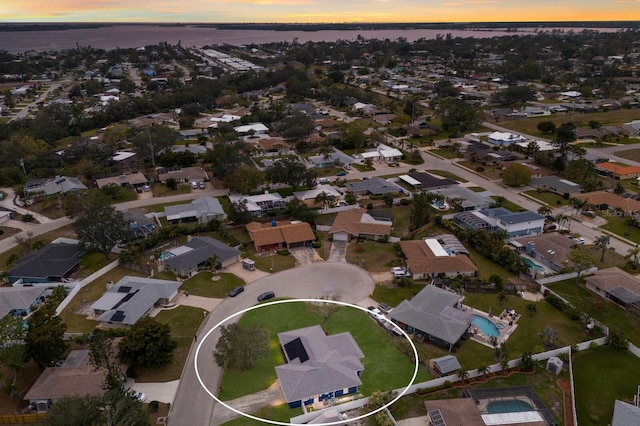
x=341 y=236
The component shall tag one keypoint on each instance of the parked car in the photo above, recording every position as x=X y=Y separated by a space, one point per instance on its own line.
x=266 y=296
x=588 y=213
x=139 y=396
x=399 y=272
x=201 y=185
x=194 y=185
x=385 y=308
x=341 y=173
x=138 y=190
x=374 y=312
x=147 y=188
x=580 y=241
x=236 y=291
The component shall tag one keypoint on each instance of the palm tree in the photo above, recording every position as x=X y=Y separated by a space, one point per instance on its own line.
x=601 y=243
x=463 y=374
x=499 y=200
x=563 y=219
x=213 y=263
x=322 y=199
x=544 y=211
x=632 y=255
x=483 y=370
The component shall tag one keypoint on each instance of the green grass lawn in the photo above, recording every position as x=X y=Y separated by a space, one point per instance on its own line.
x=603 y=310
x=184 y=322
x=372 y=255
x=401 y=220
x=488 y=172
x=362 y=167
x=447 y=174
x=553 y=200
x=509 y=205
x=601 y=376
x=201 y=284
x=476 y=188
x=160 y=190
x=268 y=262
x=326 y=219
x=92 y=262
x=378 y=347
x=281 y=413
x=487 y=267
x=618 y=226
x=76 y=321
x=392 y=295
x=445 y=153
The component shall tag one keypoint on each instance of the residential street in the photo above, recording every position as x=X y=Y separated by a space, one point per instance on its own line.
x=193 y=405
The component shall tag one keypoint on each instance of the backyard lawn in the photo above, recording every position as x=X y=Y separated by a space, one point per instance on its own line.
x=603 y=310
x=201 y=284
x=372 y=256
x=601 y=376
x=377 y=346
x=184 y=322
x=75 y=314
x=618 y=226
x=449 y=175
x=486 y=267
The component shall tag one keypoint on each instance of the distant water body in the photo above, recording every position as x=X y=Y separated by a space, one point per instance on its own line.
x=126 y=36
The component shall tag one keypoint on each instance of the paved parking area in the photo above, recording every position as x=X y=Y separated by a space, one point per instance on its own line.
x=305 y=255
x=338 y=252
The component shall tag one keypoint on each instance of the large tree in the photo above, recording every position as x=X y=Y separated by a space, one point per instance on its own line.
x=226 y=157
x=516 y=174
x=12 y=348
x=45 y=337
x=421 y=211
x=240 y=348
x=100 y=229
x=147 y=343
x=291 y=172
x=153 y=140
x=565 y=134
x=244 y=179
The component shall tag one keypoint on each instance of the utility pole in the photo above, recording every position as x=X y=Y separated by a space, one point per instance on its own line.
x=153 y=158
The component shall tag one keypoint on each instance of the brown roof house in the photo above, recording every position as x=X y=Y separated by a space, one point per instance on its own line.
x=618 y=286
x=75 y=377
x=274 y=235
x=550 y=249
x=604 y=200
x=431 y=257
x=358 y=223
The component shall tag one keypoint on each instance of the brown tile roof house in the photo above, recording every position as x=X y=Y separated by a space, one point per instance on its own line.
x=184 y=174
x=273 y=236
x=427 y=258
x=131 y=179
x=358 y=223
x=273 y=144
x=551 y=249
x=74 y=377
x=619 y=170
x=602 y=197
x=618 y=286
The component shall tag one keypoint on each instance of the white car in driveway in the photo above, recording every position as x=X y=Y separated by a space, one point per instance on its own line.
x=399 y=272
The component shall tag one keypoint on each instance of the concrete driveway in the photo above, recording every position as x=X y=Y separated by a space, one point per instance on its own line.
x=248 y=276
x=338 y=252
x=161 y=392
x=353 y=284
x=305 y=255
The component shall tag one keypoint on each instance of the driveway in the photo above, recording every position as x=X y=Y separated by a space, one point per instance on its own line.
x=248 y=276
x=305 y=255
x=161 y=392
x=338 y=252
x=353 y=284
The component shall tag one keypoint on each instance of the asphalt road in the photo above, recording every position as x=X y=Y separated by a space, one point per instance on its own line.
x=193 y=405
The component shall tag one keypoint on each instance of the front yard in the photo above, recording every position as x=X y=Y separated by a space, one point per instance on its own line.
x=203 y=285
x=372 y=256
x=619 y=226
x=553 y=200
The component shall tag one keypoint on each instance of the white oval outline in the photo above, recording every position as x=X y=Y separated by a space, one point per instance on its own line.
x=277 y=302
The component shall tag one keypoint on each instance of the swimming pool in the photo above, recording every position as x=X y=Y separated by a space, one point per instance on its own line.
x=488 y=328
x=166 y=255
x=510 y=406
x=531 y=264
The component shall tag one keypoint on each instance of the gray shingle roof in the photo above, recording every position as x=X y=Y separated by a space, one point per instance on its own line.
x=625 y=414
x=17 y=298
x=511 y=217
x=51 y=261
x=447 y=364
x=50 y=186
x=375 y=185
x=203 y=206
x=202 y=248
x=432 y=311
x=132 y=297
x=333 y=364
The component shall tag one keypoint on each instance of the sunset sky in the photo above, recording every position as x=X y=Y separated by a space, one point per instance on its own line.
x=306 y=11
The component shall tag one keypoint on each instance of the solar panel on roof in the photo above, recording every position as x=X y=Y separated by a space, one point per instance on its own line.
x=295 y=349
x=436 y=418
x=117 y=317
x=124 y=289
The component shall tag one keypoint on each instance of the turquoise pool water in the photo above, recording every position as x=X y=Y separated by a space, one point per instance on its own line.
x=512 y=406
x=488 y=328
x=165 y=255
x=531 y=264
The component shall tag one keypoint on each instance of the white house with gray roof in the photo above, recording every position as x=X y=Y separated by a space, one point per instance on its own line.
x=201 y=209
x=51 y=186
x=193 y=256
x=19 y=301
x=319 y=367
x=433 y=314
x=131 y=299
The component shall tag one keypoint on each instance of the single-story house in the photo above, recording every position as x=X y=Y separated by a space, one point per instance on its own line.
x=51 y=186
x=253 y=128
x=358 y=223
x=606 y=200
x=19 y=301
x=182 y=175
x=274 y=235
x=427 y=181
x=617 y=170
x=556 y=185
x=274 y=145
x=260 y=204
x=319 y=366
x=193 y=256
x=505 y=138
x=134 y=179
x=433 y=314
x=445 y=365
x=373 y=186
x=201 y=209
x=583 y=133
x=550 y=249
x=331 y=192
x=466 y=198
x=618 y=286
x=75 y=377
x=192 y=133
x=382 y=153
x=431 y=257
x=52 y=263
x=499 y=218
x=131 y=298
x=5 y=215
x=139 y=224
